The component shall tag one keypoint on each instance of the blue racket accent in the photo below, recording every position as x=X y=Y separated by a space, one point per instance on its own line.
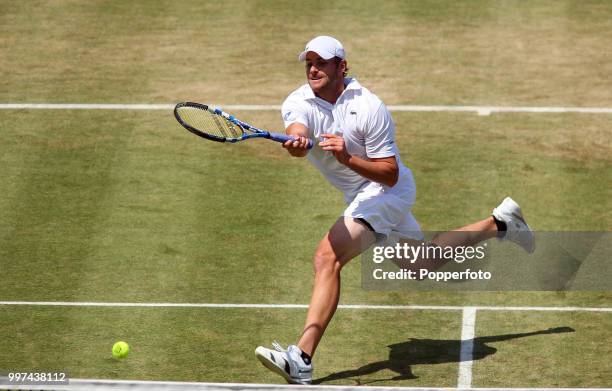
x=281 y=138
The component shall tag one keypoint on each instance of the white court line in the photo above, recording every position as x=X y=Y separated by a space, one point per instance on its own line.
x=468 y=326
x=486 y=110
x=480 y=110
x=299 y=306
x=85 y=106
x=102 y=384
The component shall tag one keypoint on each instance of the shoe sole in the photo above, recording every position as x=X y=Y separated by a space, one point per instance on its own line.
x=531 y=248
x=271 y=366
x=518 y=214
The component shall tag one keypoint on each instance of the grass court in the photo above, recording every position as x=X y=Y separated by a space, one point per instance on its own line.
x=124 y=206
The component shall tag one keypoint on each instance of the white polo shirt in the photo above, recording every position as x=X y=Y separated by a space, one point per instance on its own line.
x=365 y=124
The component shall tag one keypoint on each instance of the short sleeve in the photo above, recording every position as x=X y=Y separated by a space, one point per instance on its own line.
x=379 y=134
x=294 y=110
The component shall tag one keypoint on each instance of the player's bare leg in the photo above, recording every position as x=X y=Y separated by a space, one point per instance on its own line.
x=469 y=235
x=345 y=240
x=507 y=216
x=348 y=238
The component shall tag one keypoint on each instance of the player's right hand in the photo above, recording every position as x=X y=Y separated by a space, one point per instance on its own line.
x=297 y=147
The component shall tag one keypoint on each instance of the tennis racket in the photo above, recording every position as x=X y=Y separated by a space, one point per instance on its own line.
x=217 y=125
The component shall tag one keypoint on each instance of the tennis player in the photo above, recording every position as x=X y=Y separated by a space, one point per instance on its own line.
x=355 y=150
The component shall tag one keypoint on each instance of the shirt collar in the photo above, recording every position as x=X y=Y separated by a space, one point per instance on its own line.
x=351 y=84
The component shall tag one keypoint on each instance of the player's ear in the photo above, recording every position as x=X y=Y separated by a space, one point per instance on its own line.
x=343 y=67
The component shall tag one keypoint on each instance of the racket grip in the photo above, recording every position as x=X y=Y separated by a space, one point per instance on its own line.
x=281 y=138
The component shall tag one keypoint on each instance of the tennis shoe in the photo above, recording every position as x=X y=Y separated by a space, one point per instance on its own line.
x=287 y=363
x=517 y=230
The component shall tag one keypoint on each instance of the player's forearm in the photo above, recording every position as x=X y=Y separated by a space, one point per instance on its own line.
x=383 y=172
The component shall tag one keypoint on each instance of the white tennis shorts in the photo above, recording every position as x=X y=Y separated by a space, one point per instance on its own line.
x=387 y=210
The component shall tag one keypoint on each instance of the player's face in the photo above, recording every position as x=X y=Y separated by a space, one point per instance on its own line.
x=323 y=74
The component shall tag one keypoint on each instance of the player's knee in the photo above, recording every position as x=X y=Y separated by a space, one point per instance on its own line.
x=326 y=262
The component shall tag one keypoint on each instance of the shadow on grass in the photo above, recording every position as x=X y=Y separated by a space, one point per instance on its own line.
x=429 y=351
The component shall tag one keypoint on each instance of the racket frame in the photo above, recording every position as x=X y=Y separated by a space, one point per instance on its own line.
x=253 y=132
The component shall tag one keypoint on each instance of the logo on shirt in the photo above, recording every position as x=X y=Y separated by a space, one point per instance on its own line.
x=353 y=112
x=287 y=115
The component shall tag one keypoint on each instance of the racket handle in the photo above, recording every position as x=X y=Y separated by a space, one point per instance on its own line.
x=281 y=138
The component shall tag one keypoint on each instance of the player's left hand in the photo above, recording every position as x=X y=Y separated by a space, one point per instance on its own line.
x=335 y=144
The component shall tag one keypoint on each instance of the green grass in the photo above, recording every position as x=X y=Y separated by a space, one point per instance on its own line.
x=570 y=359
x=127 y=206
x=203 y=345
x=361 y=347
x=177 y=218
x=432 y=52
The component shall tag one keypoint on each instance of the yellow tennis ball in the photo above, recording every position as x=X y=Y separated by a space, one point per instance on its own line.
x=120 y=350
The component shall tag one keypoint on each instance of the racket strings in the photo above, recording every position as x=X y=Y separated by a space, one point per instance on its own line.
x=210 y=123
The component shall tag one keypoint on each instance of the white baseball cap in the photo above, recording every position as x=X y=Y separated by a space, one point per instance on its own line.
x=325 y=46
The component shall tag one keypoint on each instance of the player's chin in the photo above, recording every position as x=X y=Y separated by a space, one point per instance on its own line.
x=316 y=84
